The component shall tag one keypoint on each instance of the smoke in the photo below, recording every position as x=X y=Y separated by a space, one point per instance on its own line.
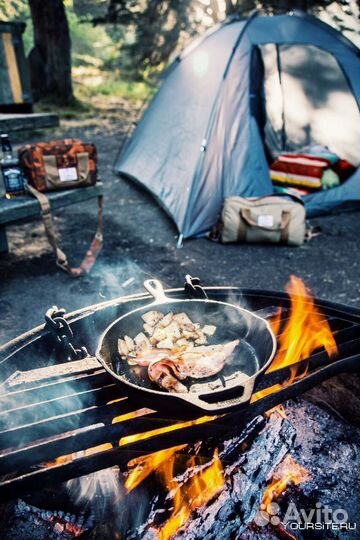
x=97 y=493
x=121 y=279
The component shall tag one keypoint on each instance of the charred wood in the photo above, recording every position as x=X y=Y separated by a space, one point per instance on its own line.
x=247 y=465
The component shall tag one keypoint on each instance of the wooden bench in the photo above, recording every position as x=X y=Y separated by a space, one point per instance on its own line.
x=23 y=207
x=27 y=122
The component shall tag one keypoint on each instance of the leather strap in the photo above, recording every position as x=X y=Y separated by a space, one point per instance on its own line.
x=285 y=221
x=61 y=259
x=241 y=232
x=83 y=165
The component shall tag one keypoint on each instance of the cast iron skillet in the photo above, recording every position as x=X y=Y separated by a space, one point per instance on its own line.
x=223 y=392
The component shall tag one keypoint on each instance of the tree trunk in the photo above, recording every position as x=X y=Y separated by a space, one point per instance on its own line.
x=50 y=58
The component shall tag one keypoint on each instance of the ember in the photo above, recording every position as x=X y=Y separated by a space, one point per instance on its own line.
x=289 y=472
x=64 y=524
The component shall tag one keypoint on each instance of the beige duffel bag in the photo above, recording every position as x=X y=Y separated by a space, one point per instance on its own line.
x=273 y=219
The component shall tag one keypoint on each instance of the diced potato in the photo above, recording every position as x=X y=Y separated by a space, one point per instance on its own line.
x=141 y=340
x=173 y=330
x=129 y=343
x=209 y=329
x=201 y=340
x=166 y=320
x=184 y=344
x=165 y=344
x=182 y=318
x=148 y=329
x=152 y=317
x=158 y=335
x=122 y=348
x=190 y=327
x=189 y=334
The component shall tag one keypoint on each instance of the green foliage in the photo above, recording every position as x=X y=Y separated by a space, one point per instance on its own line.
x=116 y=87
x=18 y=10
x=151 y=32
x=119 y=47
x=11 y=10
x=89 y=44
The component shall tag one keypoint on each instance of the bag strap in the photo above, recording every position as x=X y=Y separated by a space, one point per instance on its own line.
x=286 y=218
x=245 y=213
x=61 y=259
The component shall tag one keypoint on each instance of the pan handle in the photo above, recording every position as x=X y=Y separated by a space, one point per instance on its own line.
x=155 y=288
x=226 y=404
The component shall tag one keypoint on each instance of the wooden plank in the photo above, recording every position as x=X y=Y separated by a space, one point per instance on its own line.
x=5 y=88
x=13 y=70
x=11 y=210
x=19 y=122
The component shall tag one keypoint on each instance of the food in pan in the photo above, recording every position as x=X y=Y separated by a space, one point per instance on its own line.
x=173 y=348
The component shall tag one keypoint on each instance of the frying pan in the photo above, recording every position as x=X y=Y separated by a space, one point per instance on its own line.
x=230 y=388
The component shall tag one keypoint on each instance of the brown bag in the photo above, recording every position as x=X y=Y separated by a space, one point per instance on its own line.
x=272 y=219
x=56 y=165
x=53 y=165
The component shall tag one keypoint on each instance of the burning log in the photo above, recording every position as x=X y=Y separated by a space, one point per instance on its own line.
x=221 y=496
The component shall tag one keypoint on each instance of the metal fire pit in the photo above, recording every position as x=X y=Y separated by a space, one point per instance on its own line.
x=50 y=409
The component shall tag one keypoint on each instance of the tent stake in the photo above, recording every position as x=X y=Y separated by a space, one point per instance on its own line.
x=180 y=241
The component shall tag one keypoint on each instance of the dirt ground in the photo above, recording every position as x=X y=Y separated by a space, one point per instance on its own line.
x=140 y=241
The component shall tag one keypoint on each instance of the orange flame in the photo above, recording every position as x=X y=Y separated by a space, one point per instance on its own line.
x=196 y=492
x=199 y=489
x=305 y=331
x=278 y=409
x=166 y=429
x=289 y=472
x=67 y=458
x=143 y=466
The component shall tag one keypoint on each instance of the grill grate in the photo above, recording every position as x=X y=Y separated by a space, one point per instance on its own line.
x=61 y=422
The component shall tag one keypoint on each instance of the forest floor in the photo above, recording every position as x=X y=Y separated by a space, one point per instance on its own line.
x=140 y=241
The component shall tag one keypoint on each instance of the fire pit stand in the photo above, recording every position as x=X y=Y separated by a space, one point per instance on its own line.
x=61 y=420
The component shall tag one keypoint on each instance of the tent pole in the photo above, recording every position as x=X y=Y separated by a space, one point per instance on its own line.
x=283 y=132
x=180 y=241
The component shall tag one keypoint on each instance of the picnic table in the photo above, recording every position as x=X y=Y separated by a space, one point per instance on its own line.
x=26 y=206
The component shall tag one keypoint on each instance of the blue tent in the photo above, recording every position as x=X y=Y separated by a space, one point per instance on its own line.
x=247 y=89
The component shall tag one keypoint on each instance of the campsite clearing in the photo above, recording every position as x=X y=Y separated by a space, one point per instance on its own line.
x=140 y=241
x=245 y=92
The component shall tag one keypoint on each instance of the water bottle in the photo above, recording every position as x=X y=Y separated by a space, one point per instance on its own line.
x=11 y=171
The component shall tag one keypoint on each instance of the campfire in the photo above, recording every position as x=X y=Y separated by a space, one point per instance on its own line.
x=191 y=477
x=303 y=332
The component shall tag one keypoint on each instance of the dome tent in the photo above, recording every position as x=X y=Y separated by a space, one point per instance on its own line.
x=202 y=138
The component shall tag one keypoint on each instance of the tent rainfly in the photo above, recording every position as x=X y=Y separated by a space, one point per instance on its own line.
x=244 y=91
